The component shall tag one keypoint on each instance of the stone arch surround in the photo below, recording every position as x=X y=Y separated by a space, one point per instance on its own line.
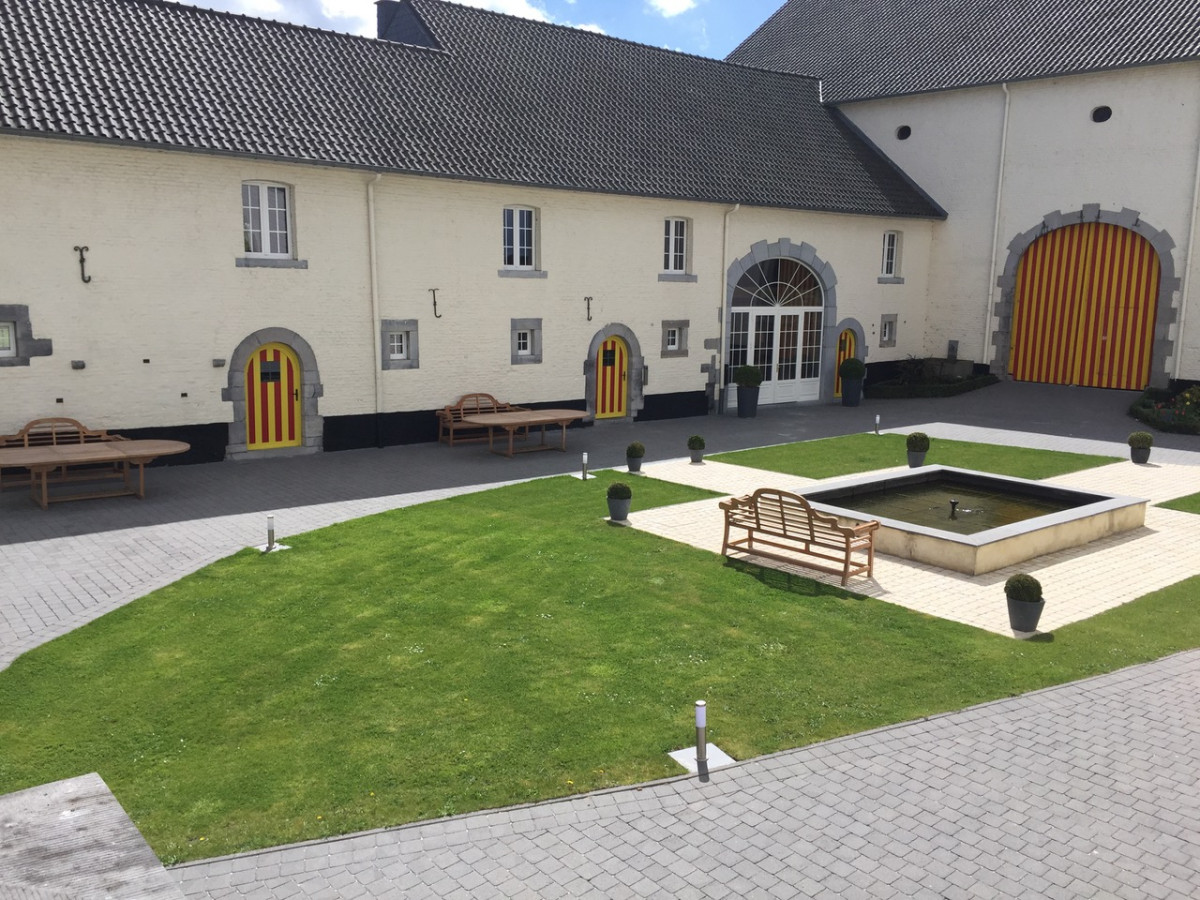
x=1163 y=349
x=637 y=368
x=830 y=328
x=311 y=391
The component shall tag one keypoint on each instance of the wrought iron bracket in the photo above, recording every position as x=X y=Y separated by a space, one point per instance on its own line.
x=436 y=314
x=83 y=275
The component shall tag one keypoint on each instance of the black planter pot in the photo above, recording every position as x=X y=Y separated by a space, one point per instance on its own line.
x=634 y=463
x=618 y=509
x=697 y=456
x=852 y=391
x=747 y=401
x=1137 y=454
x=916 y=458
x=1023 y=615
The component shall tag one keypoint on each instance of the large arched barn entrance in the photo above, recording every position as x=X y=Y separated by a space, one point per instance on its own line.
x=1085 y=302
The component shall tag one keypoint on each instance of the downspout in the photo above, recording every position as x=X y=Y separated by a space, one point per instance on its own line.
x=376 y=340
x=987 y=306
x=721 y=311
x=1185 y=287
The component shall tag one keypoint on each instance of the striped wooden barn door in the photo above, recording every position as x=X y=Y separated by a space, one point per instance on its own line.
x=1084 y=308
x=612 y=379
x=846 y=348
x=273 y=398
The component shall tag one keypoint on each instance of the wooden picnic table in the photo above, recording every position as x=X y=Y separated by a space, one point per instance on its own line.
x=45 y=460
x=515 y=420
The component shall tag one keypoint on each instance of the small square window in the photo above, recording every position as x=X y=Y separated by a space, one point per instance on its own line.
x=675 y=338
x=887 y=330
x=398 y=344
x=8 y=338
x=526 y=341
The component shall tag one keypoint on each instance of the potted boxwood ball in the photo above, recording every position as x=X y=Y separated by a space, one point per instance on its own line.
x=620 y=497
x=1140 y=443
x=852 y=371
x=633 y=456
x=918 y=445
x=696 y=445
x=1025 y=603
x=748 y=380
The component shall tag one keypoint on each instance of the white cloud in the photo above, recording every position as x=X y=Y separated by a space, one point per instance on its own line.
x=669 y=8
x=595 y=29
x=522 y=8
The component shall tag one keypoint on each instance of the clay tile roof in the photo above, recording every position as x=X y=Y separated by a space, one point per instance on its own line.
x=880 y=48
x=472 y=94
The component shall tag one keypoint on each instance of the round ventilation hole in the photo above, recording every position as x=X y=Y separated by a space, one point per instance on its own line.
x=1101 y=113
x=903 y=133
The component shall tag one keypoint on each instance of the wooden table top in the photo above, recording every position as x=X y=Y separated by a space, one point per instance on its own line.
x=96 y=452
x=525 y=417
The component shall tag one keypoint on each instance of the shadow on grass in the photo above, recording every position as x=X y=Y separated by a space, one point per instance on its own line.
x=784 y=580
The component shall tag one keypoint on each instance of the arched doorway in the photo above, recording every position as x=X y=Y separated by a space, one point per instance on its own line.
x=777 y=323
x=612 y=379
x=273 y=415
x=847 y=346
x=275 y=388
x=614 y=372
x=1087 y=300
x=1085 y=307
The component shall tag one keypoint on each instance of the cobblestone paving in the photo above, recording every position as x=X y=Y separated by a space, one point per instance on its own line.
x=1083 y=790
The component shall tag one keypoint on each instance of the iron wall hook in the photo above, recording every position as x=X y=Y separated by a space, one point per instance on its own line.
x=436 y=314
x=83 y=264
x=588 y=301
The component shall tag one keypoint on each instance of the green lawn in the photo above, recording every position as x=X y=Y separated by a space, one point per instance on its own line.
x=1190 y=503
x=855 y=453
x=484 y=650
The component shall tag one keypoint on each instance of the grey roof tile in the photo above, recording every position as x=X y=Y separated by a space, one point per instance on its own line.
x=479 y=96
x=880 y=48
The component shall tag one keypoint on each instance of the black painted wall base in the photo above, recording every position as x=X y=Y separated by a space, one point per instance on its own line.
x=208 y=441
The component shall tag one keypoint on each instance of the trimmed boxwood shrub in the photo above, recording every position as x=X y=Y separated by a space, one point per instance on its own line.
x=619 y=490
x=636 y=450
x=1023 y=587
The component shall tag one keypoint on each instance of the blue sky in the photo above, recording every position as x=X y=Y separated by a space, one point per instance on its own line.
x=705 y=27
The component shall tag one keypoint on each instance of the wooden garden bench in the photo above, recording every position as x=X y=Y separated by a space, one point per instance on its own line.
x=783 y=526
x=451 y=427
x=55 y=432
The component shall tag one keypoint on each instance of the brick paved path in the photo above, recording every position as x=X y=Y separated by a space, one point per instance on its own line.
x=1083 y=790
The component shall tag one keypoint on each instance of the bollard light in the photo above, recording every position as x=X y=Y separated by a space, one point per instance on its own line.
x=701 y=731
x=585 y=465
x=877 y=423
x=270 y=532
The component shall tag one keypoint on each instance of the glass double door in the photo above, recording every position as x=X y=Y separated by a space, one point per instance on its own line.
x=785 y=346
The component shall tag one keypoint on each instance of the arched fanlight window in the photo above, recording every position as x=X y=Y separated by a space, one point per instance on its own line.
x=778 y=282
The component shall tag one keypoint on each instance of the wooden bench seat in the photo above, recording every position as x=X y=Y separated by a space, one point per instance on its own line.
x=451 y=427
x=55 y=432
x=783 y=526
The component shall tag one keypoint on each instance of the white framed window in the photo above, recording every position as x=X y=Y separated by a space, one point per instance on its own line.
x=890 y=264
x=266 y=220
x=675 y=338
x=520 y=237
x=675 y=246
x=526 y=341
x=398 y=344
x=887 y=330
x=8 y=338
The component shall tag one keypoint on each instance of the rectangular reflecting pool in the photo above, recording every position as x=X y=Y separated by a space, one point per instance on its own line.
x=975 y=522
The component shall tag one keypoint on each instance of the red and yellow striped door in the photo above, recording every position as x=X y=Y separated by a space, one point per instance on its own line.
x=273 y=398
x=847 y=347
x=612 y=379
x=1084 y=308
